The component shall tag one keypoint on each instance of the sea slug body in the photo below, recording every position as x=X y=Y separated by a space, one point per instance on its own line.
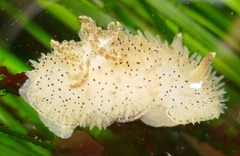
x=112 y=75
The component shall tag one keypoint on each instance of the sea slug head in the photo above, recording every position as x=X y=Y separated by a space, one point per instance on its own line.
x=189 y=92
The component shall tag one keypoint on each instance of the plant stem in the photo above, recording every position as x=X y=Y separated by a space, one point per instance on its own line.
x=45 y=144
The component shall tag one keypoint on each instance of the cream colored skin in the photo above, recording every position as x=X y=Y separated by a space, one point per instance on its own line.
x=194 y=105
x=112 y=75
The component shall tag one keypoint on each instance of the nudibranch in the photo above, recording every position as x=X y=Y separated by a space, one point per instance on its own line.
x=114 y=76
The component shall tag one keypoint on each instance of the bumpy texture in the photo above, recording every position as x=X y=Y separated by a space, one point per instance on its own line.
x=112 y=75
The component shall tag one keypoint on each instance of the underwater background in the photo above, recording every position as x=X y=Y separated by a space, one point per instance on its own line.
x=27 y=26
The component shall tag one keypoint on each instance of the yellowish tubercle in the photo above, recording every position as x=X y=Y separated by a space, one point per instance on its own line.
x=203 y=68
